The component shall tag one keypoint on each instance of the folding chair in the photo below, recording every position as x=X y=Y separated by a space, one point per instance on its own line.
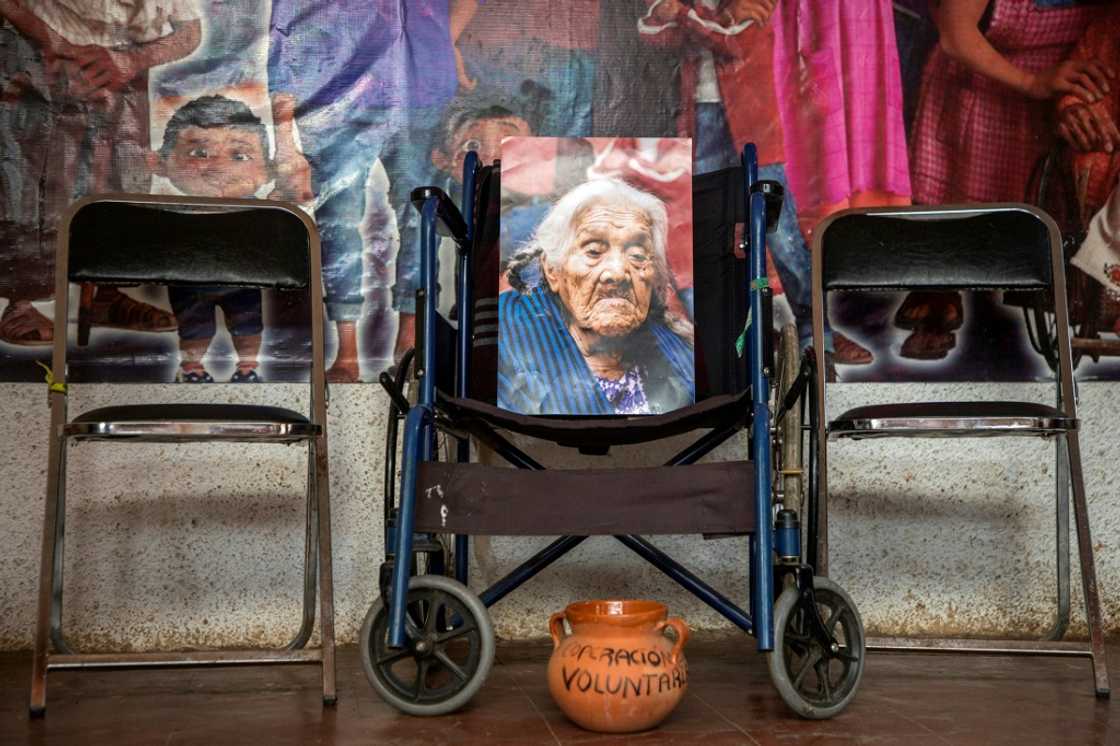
x=1010 y=247
x=134 y=239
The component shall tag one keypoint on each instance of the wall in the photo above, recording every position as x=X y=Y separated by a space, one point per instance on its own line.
x=928 y=536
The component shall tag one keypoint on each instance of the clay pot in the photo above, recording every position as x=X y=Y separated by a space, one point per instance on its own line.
x=617 y=672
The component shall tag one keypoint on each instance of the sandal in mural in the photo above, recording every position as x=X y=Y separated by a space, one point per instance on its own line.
x=113 y=309
x=199 y=375
x=22 y=325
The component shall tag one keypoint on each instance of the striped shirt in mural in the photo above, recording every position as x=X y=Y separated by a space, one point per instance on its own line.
x=542 y=371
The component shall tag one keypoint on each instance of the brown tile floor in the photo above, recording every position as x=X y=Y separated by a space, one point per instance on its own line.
x=904 y=699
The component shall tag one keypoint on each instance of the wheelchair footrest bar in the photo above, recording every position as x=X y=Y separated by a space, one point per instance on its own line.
x=688 y=581
x=972 y=645
x=171 y=660
x=527 y=569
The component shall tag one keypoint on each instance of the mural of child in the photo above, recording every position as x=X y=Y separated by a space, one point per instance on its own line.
x=729 y=99
x=74 y=111
x=478 y=121
x=475 y=121
x=214 y=146
x=983 y=120
x=502 y=43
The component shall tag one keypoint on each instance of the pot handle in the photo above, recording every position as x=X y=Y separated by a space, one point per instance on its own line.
x=556 y=628
x=681 y=629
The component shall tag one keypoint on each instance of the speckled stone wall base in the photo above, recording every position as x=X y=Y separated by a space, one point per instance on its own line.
x=177 y=546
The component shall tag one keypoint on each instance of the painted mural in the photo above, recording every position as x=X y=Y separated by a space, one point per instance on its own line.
x=344 y=106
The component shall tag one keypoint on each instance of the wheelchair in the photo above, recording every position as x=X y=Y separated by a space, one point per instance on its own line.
x=427 y=644
x=1092 y=310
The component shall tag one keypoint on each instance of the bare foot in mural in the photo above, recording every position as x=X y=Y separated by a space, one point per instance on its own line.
x=849 y=352
x=930 y=309
x=345 y=367
x=928 y=344
x=24 y=326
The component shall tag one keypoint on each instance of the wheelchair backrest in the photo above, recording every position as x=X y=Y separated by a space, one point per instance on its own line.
x=720 y=277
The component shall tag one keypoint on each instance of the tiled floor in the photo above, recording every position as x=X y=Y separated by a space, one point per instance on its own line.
x=905 y=699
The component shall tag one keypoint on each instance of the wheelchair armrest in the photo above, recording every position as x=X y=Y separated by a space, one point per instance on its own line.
x=773 y=193
x=451 y=222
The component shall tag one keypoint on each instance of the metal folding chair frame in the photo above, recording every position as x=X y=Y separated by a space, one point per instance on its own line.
x=317 y=551
x=1068 y=461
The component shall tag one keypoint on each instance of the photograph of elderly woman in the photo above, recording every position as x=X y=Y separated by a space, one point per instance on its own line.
x=595 y=314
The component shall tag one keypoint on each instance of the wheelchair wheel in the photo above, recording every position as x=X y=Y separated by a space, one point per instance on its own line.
x=1042 y=327
x=449 y=652
x=789 y=430
x=1052 y=187
x=817 y=683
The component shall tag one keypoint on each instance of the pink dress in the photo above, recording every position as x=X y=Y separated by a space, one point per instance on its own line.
x=839 y=89
x=976 y=140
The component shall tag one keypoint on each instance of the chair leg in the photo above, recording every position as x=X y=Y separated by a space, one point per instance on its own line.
x=49 y=574
x=1062 y=472
x=58 y=640
x=310 y=559
x=1088 y=567
x=326 y=586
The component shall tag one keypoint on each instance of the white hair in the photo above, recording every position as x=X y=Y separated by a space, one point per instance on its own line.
x=557 y=232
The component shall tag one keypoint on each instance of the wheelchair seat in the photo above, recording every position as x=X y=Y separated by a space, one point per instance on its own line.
x=601 y=432
x=951 y=419
x=179 y=422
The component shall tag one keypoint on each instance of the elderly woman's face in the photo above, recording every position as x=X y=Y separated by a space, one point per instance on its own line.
x=606 y=278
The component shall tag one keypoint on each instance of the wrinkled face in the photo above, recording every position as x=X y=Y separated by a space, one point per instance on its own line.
x=484 y=136
x=606 y=279
x=217 y=162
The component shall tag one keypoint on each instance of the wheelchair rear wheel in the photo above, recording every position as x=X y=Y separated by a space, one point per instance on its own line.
x=816 y=682
x=448 y=655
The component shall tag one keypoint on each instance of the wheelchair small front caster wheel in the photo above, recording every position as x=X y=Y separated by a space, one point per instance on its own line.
x=447 y=657
x=815 y=682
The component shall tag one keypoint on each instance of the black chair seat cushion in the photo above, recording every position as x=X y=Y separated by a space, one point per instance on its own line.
x=191 y=413
x=478 y=499
x=592 y=432
x=957 y=417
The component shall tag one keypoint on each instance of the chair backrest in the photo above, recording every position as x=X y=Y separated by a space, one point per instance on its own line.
x=958 y=247
x=127 y=239
x=969 y=247
x=157 y=241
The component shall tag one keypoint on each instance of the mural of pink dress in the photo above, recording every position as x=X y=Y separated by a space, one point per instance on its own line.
x=975 y=139
x=839 y=89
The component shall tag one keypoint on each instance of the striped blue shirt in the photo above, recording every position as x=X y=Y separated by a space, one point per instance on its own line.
x=542 y=371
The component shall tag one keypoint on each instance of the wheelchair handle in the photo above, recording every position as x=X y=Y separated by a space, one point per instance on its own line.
x=681 y=629
x=773 y=193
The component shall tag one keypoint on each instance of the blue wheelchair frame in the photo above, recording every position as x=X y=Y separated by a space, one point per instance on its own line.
x=419 y=428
